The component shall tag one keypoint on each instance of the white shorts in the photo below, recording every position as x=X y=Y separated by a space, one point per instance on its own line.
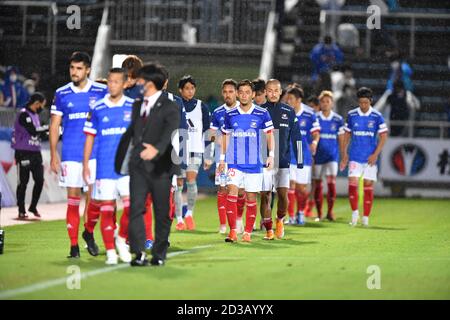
x=109 y=189
x=326 y=169
x=275 y=178
x=71 y=175
x=250 y=182
x=300 y=176
x=356 y=169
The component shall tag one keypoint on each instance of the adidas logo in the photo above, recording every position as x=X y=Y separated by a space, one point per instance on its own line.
x=69 y=226
x=235 y=124
x=105 y=119
x=70 y=105
x=108 y=228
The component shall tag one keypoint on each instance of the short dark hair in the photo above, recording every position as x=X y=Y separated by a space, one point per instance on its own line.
x=36 y=97
x=119 y=70
x=80 y=56
x=229 y=82
x=259 y=84
x=246 y=82
x=132 y=64
x=312 y=100
x=296 y=92
x=364 y=92
x=153 y=72
x=186 y=79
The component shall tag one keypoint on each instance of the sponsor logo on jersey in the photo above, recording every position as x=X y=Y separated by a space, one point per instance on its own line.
x=363 y=133
x=78 y=115
x=113 y=131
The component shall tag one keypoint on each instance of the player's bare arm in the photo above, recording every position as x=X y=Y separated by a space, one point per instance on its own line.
x=53 y=138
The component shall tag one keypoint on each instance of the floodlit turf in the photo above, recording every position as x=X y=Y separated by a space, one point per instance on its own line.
x=408 y=240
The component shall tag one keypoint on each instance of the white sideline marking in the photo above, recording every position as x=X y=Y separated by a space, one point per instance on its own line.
x=60 y=281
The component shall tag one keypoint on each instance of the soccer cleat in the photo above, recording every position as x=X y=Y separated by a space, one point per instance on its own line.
x=180 y=226
x=148 y=244
x=92 y=247
x=190 y=224
x=232 y=236
x=111 y=257
x=121 y=245
x=292 y=220
x=223 y=229
x=279 y=229
x=239 y=226
x=355 y=219
x=330 y=217
x=74 y=252
x=269 y=235
x=246 y=237
x=365 y=221
x=300 y=219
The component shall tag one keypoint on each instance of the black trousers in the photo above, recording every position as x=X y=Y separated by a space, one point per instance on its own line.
x=29 y=162
x=141 y=184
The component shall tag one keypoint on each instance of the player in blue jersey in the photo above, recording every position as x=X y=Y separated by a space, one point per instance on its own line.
x=287 y=134
x=229 y=94
x=108 y=120
x=310 y=129
x=327 y=155
x=365 y=136
x=241 y=151
x=132 y=64
x=71 y=107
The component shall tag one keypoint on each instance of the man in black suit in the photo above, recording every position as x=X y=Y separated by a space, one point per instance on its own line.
x=146 y=147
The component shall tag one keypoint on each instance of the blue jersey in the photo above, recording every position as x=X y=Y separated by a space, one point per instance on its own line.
x=74 y=105
x=364 y=129
x=330 y=129
x=134 y=92
x=217 y=120
x=108 y=122
x=244 y=129
x=308 y=124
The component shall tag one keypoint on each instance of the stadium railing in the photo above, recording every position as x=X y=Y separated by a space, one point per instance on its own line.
x=413 y=27
x=7 y=117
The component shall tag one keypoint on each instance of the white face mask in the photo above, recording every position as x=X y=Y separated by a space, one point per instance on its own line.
x=395 y=64
x=13 y=78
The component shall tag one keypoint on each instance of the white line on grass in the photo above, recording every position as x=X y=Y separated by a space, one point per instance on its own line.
x=60 y=281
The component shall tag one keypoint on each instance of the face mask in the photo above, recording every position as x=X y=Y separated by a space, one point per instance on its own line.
x=13 y=78
x=395 y=64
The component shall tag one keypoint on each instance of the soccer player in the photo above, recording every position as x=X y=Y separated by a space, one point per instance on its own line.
x=132 y=64
x=365 y=134
x=71 y=107
x=260 y=92
x=109 y=119
x=310 y=129
x=326 y=158
x=288 y=133
x=229 y=94
x=198 y=119
x=241 y=148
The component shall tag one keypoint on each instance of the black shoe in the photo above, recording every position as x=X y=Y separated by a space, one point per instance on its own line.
x=34 y=212
x=157 y=262
x=22 y=216
x=139 y=261
x=74 y=252
x=92 y=247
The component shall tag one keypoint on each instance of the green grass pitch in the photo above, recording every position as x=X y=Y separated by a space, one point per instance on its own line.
x=409 y=240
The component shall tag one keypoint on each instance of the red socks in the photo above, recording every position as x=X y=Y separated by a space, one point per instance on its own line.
x=331 y=195
x=368 y=200
x=302 y=198
x=291 y=201
x=125 y=219
x=353 y=195
x=93 y=215
x=251 y=216
x=73 y=219
x=222 y=207
x=148 y=218
x=231 y=211
x=107 y=224
x=318 y=197
x=268 y=223
x=240 y=206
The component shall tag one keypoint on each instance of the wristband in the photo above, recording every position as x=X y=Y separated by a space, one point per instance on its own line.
x=315 y=142
x=272 y=154
x=222 y=157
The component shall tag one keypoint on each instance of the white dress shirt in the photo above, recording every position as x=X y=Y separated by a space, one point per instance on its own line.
x=149 y=102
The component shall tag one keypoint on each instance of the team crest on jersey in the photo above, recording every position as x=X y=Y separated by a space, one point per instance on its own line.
x=127 y=116
x=284 y=116
x=371 y=124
